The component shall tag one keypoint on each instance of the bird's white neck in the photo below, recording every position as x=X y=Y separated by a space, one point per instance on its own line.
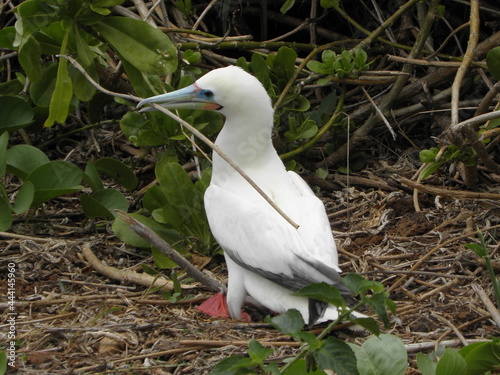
x=247 y=142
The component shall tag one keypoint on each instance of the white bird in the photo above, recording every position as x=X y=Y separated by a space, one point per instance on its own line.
x=267 y=258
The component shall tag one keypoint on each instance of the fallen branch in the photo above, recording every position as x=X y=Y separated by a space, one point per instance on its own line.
x=166 y=249
x=128 y=276
x=447 y=192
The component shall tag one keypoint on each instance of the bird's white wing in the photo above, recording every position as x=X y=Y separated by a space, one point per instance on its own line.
x=257 y=238
x=314 y=228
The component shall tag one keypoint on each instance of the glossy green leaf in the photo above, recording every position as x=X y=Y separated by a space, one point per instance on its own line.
x=118 y=171
x=54 y=179
x=381 y=355
x=29 y=58
x=493 y=62
x=5 y=215
x=4 y=141
x=426 y=365
x=143 y=46
x=451 y=363
x=63 y=92
x=338 y=356
x=23 y=159
x=24 y=198
x=17 y=113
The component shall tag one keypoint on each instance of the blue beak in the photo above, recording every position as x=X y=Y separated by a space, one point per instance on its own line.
x=191 y=97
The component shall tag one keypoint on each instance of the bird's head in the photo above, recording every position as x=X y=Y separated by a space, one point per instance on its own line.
x=229 y=90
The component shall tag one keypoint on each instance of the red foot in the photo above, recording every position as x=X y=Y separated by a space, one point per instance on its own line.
x=217 y=306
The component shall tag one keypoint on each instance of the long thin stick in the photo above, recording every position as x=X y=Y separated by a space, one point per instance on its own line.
x=193 y=130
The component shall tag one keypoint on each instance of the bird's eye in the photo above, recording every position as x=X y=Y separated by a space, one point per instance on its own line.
x=207 y=94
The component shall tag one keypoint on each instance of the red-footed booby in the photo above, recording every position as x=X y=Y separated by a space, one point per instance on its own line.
x=267 y=258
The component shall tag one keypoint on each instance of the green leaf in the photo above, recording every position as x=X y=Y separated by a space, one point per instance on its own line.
x=329 y=3
x=257 y=352
x=63 y=92
x=24 y=198
x=322 y=292
x=232 y=366
x=378 y=303
x=359 y=285
x=430 y=169
x=316 y=67
x=23 y=159
x=101 y=6
x=35 y=15
x=91 y=177
x=7 y=36
x=478 y=249
x=289 y=323
x=301 y=367
x=102 y=203
x=482 y=357
x=143 y=46
x=451 y=363
x=369 y=324
x=162 y=261
x=381 y=355
x=338 y=356
x=19 y=113
x=493 y=62
x=41 y=91
x=54 y=179
x=5 y=215
x=180 y=192
x=428 y=156
x=4 y=141
x=3 y=362
x=123 y=232
x=283 y=64
x=287 y=5
x=426 y=365
x=118 y=171
x=29 y=58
